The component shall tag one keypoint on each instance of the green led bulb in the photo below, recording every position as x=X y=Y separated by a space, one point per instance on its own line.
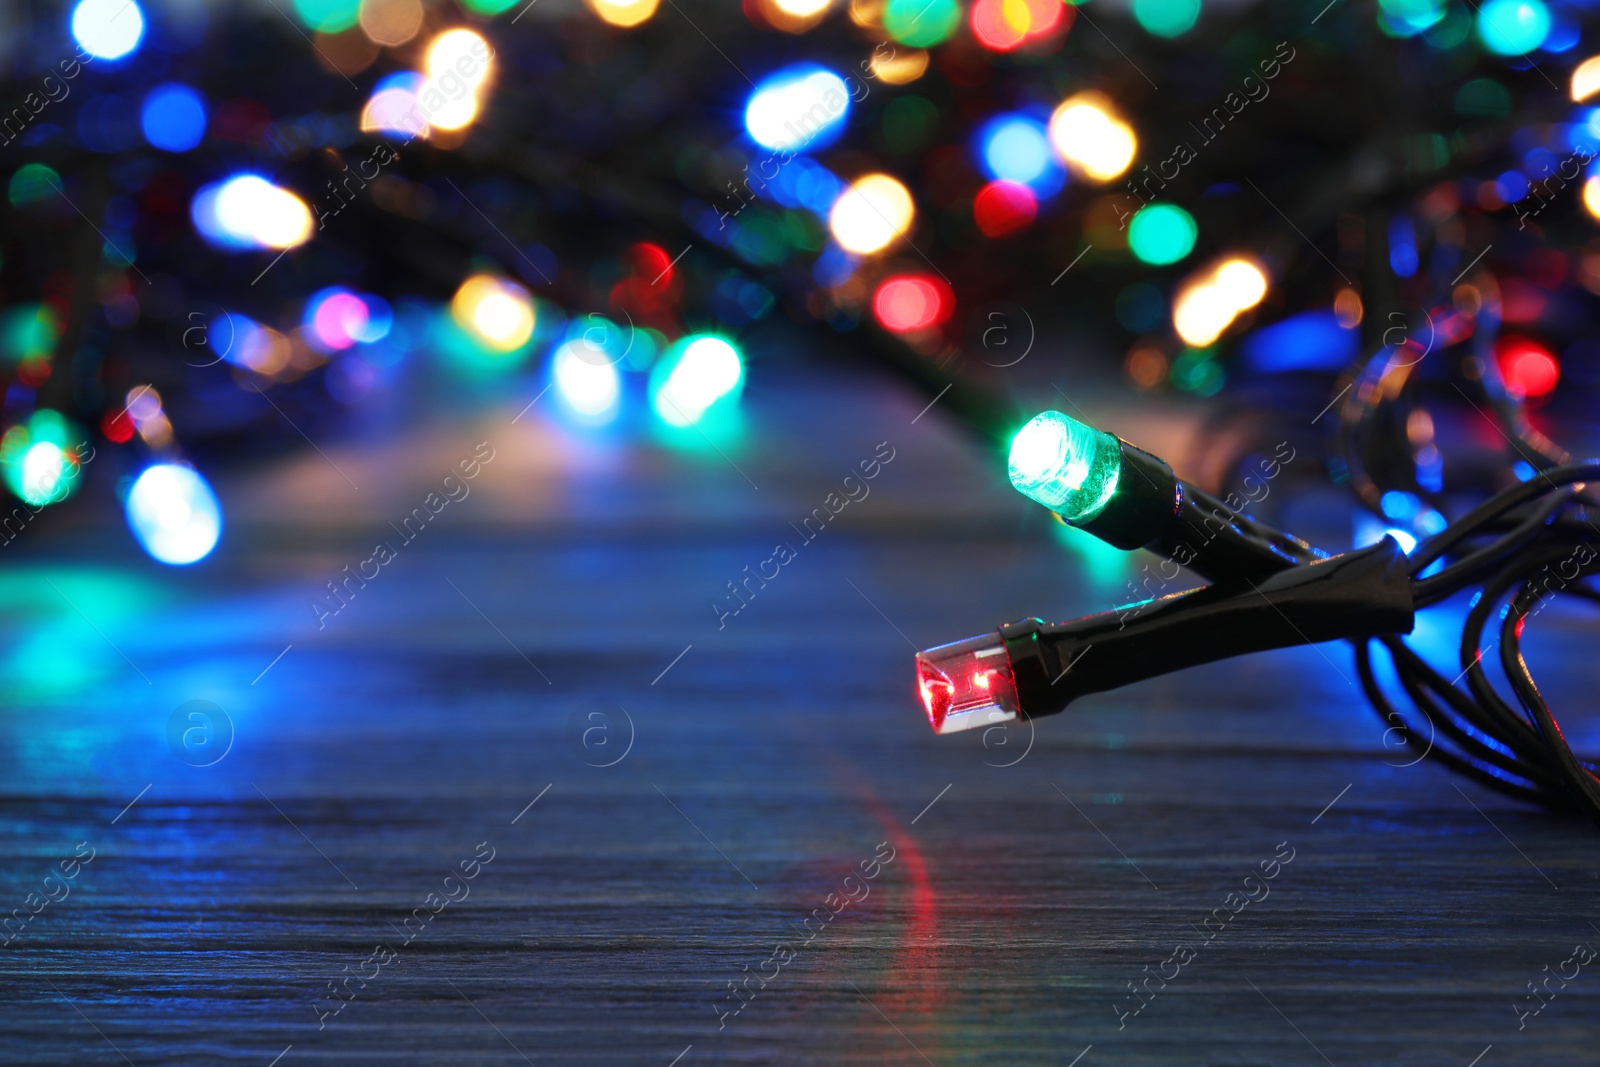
x=1069 y=467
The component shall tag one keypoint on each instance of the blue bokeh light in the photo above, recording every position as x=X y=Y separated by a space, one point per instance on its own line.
x=1016 y=148
x=1403 y=246
x=173 y=117
x=804 y=183
x=1312 y=340
x=1400 y=506
x=1512 y=186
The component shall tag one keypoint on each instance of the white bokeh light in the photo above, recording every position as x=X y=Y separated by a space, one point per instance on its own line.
x=591 y=389
x=108 y=29
x=174 y=513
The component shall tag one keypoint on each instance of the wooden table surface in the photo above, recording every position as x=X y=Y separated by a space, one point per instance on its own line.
x=536 y=690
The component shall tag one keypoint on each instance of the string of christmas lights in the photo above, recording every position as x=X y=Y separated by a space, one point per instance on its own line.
x=1271 y=590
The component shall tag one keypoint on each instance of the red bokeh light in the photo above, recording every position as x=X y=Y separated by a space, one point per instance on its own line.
x=909 y=302
x=1003 y=207
x=651 y=262
x=117 y=426
x=1529 y=369
x=1005 y=25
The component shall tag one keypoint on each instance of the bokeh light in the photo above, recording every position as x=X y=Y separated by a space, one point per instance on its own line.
x=32 y=183
x=921 y=23
x=624 y=13
x=391 y=22
x=246 y=343
x=1241 y=283
x=173 y=117
x=1591 y=196
x=460 y=51
x=394 y=108
x=39 y=458
x=793 y=16
x=899 y=68
x=108 y=29
x=1407 y=18
x=458 y=65
x=1513 y=27
x=695 y=374
x=1586 y=79
x=328 y=16
x=143 y=405
x=29 y=332
x=336 y=319
x=797 y=108
x=1207 y=303
x=908 y=302
x=498 y=313
x=586 y=381
x=1196 y=371
x=1003 y=207
x=1529 y=369
x=1161 y=233
x=870 y=214
x=1017 y=148
x=43 y=471
x=1004 y=25
x=247 y=211
x=1166 y=18
x=174 y=514
x=1089 y=136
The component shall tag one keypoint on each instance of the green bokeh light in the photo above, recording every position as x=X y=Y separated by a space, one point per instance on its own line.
x=488 y=7
x=1162 y=233
x=32 y=183
x=1513 y=27
x=699 y=375
x=29 y=332
x=1070 y=468
x=921 y=23
x=1196 y=371
x=1407 y=18
x=1167 y=18
x=39 y=460
x=329 y=16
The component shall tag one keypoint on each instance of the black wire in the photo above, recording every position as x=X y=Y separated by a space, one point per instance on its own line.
x=1480 y=562
x=1579 y=774
x=1501 y=549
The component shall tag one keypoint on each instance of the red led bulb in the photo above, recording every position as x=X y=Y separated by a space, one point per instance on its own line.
x=967 y=684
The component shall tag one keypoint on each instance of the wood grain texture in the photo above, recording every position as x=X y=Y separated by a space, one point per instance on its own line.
x=768 y=762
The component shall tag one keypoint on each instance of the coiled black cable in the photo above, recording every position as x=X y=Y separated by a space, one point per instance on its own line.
x=1502 y=549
